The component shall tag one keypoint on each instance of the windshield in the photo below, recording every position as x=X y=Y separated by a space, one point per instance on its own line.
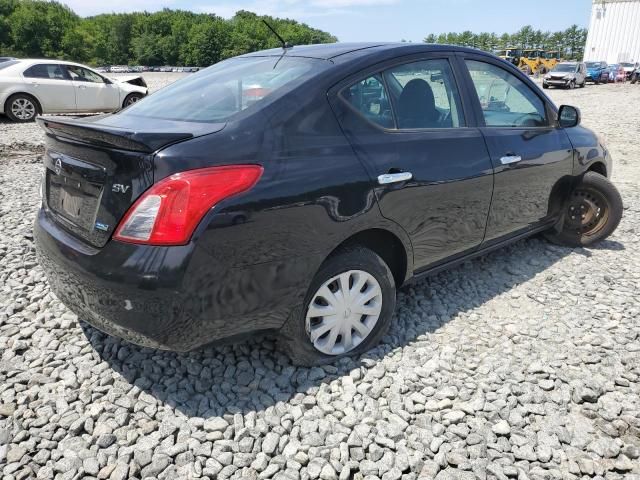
x=626 y=64
x=593 y=64
x=219 y=92
x=565 y=67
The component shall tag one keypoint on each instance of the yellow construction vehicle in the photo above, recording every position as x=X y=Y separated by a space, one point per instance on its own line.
x=551 y=59
x=511 y=55
x=531 y=61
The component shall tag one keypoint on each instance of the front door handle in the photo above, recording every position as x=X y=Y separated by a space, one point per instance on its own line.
x=507 y=159
x=388 y=178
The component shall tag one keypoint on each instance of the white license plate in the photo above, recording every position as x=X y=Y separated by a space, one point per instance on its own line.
x=71 y=204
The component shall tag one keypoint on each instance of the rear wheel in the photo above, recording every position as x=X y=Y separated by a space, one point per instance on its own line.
x=131 y=99
x=347 y=310
x=22 y=108
x=592 y=213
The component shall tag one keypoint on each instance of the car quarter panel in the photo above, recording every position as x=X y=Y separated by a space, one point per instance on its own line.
x=589 y=151
x=257 y=252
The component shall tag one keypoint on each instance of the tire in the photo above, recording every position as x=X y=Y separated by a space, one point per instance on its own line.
x=603 y=213
x=572 y=85
x=359 y=263
x=131 y=99
x=22 y=108
x=582 y=85
x=545 y=86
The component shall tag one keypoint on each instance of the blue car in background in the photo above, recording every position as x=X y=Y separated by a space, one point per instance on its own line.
x=597 y=72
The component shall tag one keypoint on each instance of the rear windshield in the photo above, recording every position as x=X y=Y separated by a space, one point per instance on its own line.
x=8 y=63
x=219 y=92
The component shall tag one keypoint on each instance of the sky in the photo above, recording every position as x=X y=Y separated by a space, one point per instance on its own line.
x=379 y=20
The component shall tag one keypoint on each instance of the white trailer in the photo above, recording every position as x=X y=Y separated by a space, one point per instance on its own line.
x=614 y=32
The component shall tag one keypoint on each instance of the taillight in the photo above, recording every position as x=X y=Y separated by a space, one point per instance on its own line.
x=169 y=212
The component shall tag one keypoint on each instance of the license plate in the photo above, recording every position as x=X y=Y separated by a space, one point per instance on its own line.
x=71 y=204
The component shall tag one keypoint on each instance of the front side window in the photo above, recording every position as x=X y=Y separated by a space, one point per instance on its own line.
x=80 y=74
x=46 y=70
x=369 y=97
x=227 y=88
x=506 y=100
x=424 y=95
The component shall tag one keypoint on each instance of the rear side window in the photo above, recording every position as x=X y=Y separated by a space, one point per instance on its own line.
x=46 y=70
x=369 y=97
x=424 y=95
x=506 y=101
x=219 y=92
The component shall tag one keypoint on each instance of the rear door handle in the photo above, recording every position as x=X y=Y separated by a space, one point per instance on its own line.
x=507 y=159
x=388 y=178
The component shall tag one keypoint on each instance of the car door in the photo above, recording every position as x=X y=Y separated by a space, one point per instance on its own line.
x=408 y=123
x=52 y=86
x=530 y=153
x=93 y=94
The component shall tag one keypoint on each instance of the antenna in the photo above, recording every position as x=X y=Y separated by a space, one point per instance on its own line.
x=285 y=45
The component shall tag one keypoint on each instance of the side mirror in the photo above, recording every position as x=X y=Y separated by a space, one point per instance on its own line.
x=107 y=81
x=569 y=116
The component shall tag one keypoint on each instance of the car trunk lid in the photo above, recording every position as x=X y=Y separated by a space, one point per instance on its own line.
x=96 y=168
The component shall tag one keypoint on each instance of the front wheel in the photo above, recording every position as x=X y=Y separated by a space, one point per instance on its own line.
x=545 y=86
x=592 y=213
x=131 y=99
x=572 y=85
x=347 y=309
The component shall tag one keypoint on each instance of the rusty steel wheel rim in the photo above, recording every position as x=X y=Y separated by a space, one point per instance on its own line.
x=588 y=211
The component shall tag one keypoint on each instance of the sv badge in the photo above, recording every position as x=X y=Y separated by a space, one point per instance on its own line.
x=119 y=188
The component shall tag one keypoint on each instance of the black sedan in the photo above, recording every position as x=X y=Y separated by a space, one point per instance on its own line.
x=294 y=190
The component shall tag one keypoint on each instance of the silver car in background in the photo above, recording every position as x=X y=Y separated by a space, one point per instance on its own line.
x=566 y=75
x=31 y=87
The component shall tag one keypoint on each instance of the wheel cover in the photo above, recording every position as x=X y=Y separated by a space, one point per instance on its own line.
x=23 y=108
x=588 y=211
x=343 y=312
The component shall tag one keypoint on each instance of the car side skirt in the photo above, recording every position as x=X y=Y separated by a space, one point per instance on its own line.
x=432 y=270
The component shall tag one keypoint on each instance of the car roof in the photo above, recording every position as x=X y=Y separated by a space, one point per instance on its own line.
x=46 y=61
x=330 y=51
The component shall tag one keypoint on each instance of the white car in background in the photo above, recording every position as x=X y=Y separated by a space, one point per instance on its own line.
x=32 y=87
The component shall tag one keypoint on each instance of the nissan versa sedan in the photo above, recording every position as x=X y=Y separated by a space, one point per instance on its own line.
x=32 y=87
x=295 y=190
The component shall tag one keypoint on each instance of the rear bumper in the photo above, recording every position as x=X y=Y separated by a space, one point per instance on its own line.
x=171 y=298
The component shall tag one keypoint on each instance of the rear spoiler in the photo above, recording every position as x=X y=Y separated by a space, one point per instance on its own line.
x=107 y=136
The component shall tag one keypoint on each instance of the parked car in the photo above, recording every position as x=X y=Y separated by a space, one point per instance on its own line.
x=635 y=76
x=32 y=87
x=566 y=75
x=597 y=72
x=198 y=214
x=629 y=68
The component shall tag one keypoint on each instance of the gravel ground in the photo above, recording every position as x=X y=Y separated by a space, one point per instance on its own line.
x=522 y=364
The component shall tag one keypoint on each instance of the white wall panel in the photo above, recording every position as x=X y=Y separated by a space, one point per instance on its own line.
x=614 y=31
